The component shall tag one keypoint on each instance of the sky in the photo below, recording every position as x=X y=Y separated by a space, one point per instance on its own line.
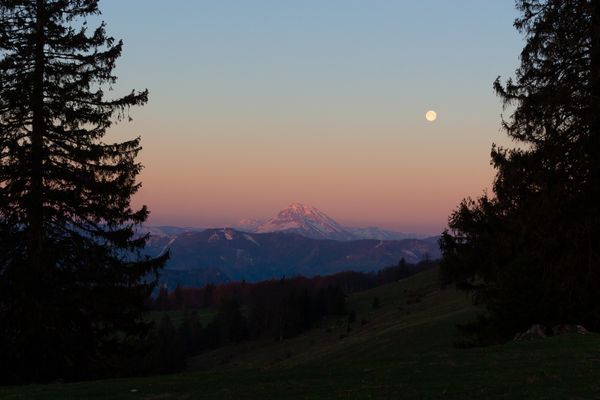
x=258 y=104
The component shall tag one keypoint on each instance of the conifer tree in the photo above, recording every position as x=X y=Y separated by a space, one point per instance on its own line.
x=72 y=279
x=530 y=253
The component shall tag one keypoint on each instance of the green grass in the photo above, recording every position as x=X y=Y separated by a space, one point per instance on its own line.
x=403 y=350
x=176 y=316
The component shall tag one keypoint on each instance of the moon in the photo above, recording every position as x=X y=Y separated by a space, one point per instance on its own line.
x=431 y=116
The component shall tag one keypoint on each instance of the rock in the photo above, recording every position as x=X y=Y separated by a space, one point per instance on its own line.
x=581 y=330
x=535 y=331
x=567 y=328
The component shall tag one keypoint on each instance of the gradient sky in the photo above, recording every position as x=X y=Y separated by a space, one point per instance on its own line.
x=257 y=104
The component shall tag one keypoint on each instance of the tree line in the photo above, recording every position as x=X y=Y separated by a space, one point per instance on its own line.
x=212 y=295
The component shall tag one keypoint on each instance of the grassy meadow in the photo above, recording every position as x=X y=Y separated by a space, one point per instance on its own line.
x=401 y=349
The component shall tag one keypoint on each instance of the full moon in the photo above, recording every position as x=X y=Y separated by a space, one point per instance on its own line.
x=431 y=116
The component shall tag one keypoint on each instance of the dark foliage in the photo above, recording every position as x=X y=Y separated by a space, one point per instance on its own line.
x=167 y=349
x=375 y=304
x=229 y=326
x=71 y=283
x=531 y=252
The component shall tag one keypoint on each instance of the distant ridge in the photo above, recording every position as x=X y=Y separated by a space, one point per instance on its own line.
x=224 y=255
x=298 y=218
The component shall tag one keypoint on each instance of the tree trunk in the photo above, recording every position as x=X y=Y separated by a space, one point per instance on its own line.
x=595 y=81
x=36 y=206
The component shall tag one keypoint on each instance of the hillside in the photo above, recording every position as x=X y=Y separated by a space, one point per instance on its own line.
x=401 y=350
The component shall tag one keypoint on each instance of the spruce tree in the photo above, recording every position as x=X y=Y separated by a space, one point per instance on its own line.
x=72 y=277
x=530 y=252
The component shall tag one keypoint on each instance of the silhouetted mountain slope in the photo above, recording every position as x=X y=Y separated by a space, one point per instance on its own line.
x=221 y=255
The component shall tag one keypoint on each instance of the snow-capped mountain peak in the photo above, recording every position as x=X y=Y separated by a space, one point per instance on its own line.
x=311 y=222
x=307 y=221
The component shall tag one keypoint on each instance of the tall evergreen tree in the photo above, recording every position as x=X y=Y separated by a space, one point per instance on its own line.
x=72 y=279
x=531 y=252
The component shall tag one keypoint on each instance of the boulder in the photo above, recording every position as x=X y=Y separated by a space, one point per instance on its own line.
x=567 y=328
x=535 y=331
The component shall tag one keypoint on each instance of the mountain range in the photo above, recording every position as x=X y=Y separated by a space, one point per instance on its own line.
x=299 y=240
x=224 y=255
x=302 y=219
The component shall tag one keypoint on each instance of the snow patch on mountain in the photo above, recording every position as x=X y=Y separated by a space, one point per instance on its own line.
x=228 y=234
x=250 y=238
x=166 y=247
